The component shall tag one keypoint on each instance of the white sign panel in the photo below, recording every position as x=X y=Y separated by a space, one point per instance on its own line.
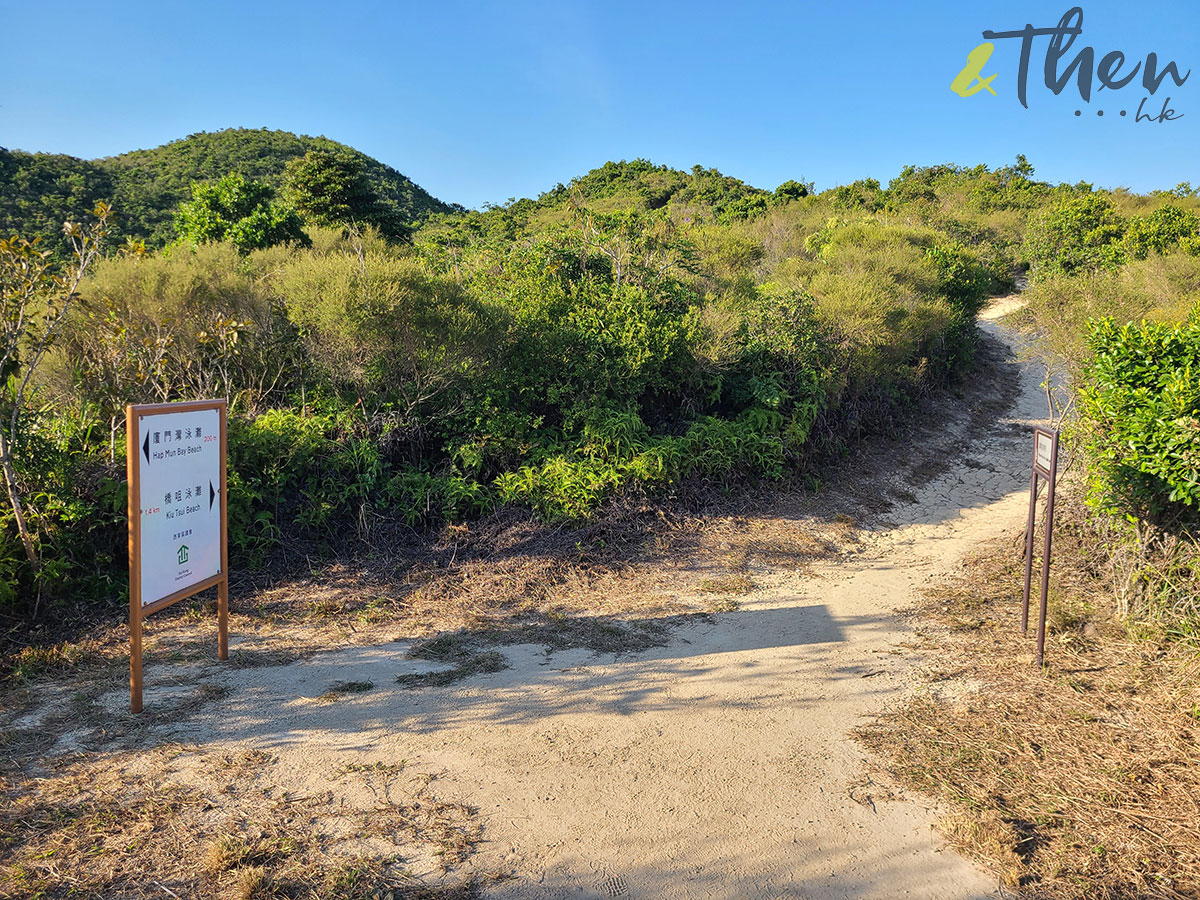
x=1044 y=447
x=179 y=495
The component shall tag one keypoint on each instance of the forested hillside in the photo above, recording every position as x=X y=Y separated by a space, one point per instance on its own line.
x=642 y=329
x=39 y=191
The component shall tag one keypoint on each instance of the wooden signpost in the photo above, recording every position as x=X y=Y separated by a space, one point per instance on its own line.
x=1045 y=465
x=175 y=460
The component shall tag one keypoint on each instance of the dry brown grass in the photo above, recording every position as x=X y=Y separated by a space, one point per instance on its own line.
x=1077 y=782
x=126 y=825
x=341 y=689
x=737 y=583
x=465 y=665
x=615 y=584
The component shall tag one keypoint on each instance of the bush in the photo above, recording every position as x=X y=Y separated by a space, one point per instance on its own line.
x=1075 y=234
x=1163 y=229
x=190 y=322
x=543 y=353
x=1140 y=405
x=383 y=326
x=239 y=211
x=79 y=495
x=883 y=292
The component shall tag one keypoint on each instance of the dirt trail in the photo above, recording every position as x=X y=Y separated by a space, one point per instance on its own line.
x=717 y=766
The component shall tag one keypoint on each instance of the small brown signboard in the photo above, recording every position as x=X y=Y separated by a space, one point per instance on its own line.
x=175 y=460
x=1045 y=466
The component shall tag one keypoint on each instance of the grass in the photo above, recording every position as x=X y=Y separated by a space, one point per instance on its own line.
x=722 y=605
x=1075 y=782
x=376 y=768
x=340 y=689
x=240 y=762
x=737 y=583
x=123 y=825
x=41 y=660
x=465 y=665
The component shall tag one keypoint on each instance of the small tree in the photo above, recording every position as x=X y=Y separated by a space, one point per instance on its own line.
x=33 y=306
x=331 y=188
x=791 y=190
x=238 y=210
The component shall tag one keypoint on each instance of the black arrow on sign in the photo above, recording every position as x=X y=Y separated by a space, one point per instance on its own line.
x=212 y=495
x=146 y=448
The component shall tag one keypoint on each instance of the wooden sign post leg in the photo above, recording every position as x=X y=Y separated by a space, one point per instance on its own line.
x=135 y=659
x=223 y=587
x=223 y=619
x=135 y=579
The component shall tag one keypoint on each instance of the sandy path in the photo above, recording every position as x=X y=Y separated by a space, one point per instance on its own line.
x=718 y=766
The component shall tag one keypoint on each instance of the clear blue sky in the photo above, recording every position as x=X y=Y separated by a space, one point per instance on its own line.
x=482 y=102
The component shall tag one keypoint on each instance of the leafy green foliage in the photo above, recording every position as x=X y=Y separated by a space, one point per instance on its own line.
x=1141 y=412
x=791 y=190
x=38 y=192
x=331 y=188
x=240 y=212
x=637 y=329
x=1163 y=229
x=1075 y=234
x=78 y=493
x=865 y=194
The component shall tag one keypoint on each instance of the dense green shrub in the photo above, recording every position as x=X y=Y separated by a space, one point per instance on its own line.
x=384 y=327
x=190 y=322
x=882 y=292
x=76 y=493
x=1163 y=229
x=238 y=210
x=1075 y=234
x=640 y=328
x=865 y=194
x=1141 y=416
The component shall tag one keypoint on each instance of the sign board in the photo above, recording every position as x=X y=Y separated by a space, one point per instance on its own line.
x=1043 y=451
x=175 y=458
x=179 y=454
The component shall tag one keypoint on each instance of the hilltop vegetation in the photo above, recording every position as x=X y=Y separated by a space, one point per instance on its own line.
x=642 y=329
x=40 y=191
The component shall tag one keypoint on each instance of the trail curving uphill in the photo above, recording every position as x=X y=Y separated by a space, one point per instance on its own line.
x=718 y=766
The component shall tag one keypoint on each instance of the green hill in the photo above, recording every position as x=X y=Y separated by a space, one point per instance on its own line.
x=699 y=196
x=39 y=191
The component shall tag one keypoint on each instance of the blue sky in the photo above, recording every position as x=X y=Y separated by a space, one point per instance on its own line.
x=482 y=102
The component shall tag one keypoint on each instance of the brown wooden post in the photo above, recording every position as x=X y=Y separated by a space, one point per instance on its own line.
x=135 y=569
x=223 y=587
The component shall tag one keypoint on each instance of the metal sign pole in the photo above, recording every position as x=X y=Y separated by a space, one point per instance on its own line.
x=1041 y=636
x=1045 y=465
x=1033 y=488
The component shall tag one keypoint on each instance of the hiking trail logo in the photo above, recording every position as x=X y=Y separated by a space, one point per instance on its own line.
x=1111 y=72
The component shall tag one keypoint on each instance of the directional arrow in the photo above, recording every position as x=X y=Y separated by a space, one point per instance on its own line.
x=212 y=495
x=146 y=448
